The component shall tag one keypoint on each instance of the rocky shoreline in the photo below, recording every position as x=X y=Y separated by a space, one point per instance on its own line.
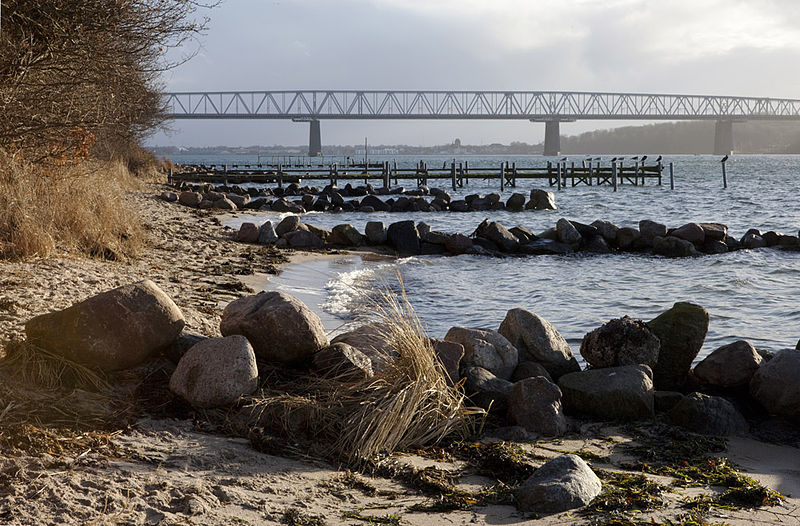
x=524 y=373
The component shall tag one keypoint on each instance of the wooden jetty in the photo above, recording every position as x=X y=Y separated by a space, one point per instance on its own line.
x=560 y=174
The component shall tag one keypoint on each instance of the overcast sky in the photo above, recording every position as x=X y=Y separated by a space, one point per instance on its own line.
x=716 y=47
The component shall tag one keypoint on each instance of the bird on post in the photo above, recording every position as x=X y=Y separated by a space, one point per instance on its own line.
x=724 y=159
x=614 y=160
x=644 y=157
x=658 y=159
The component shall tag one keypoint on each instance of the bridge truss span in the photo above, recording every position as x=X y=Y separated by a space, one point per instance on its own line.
x=520 y=105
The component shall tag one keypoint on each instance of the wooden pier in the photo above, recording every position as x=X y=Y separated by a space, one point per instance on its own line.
x=559 y=174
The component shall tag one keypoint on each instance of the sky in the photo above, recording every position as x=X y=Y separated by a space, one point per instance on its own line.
x=709 y=47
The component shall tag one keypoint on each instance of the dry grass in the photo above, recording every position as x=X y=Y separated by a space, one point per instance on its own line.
x=408 y=404
x=76 y=208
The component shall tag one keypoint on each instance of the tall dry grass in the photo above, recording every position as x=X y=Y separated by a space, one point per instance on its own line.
x=77 y=208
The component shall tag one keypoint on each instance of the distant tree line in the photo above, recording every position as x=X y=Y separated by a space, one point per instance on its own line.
x=81 y=77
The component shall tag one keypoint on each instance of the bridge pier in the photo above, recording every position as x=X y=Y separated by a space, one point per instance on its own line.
x=552 y=138
x=723 y=137
x=314 y=139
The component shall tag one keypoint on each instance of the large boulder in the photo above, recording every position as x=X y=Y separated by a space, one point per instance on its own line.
x=457 y=244
x=449 y=355
x=691 y=232
x=372 y=340
x=346 y=235
x=622 y=341
x=303 y=238
x=607 y=229
x=192 y=199
x=628 y=238
x=266 y=234
x=535 y=404
x=564 y=483
x=714 y=231
x=403 y=236
x=375 y=232
x=731 y=365
x=248 y=233
x=541 y=200
x=681 y=331
x=500 y=236
x=516 y=202
x=537 y=340
x=673 y=247
x=708 y=415
x=529 y=369
x=486 y=390
x=487 y=349
x=776 y=384
x=615 y=393
x=343 y=362
x=567 y=233
x=113 y=330
x=650 y=230
x=216 y=372
x=287 y=224
x=279 y=326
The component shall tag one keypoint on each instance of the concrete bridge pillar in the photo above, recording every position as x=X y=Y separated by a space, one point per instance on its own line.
x=314 y=139
x=723 y=137
x=552 y=138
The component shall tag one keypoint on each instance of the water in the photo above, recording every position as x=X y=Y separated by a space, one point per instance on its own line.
x=749 y=294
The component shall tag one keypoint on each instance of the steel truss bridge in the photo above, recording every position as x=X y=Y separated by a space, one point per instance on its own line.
x=550 y=107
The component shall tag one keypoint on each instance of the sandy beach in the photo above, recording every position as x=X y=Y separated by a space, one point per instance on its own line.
x=173 y=471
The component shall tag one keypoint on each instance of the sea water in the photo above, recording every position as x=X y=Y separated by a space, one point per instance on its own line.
x=750 y=294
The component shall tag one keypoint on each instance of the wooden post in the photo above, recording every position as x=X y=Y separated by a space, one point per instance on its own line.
x=502 y=176
x=614 y=174
x=514 y=174
x=169 y=177
x=225 y=174
x=671 y=176
x=558 y=176
x=660 y=169
x=636 y=173
x=573 y=173
x=453 y=174
x=280 y=176
x=724 y=175
x=466 y=173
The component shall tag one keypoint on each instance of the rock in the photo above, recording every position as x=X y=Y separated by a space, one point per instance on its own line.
x=564 y=483
x=567 y=233
x=222 y=204
x=712 y=246
x=403 y=236
x=370 y=340
x=239 y=200
x=457 y=244
x=436 y=238
x=516 y=203
x=627 y=238
x=731 y=365
x=303 y=239
x=541 y=200
x=169 y=197
x=185 y=341
x=114 y=330
x=346 y=235
x=216 y=372
x=248 y=233
x=545 y=247
x=596 y=245
x=487 y=349
x=775 y=384
x=375 y=233
x=530 y=369
x=376 y=203
x=673 y=247
x=486 y=390
x=535 y=404
x=192 y=199
x=622 y=341
x=615 y=393
x=606 y=229
x=538 y=341
x=691 y=232
x=681 y=331
x=450 y=355
x=287 y=224
x=650 y=230
x=266 y=234
x=665 y=401
x=459 y=205
x=343 y=362
x=279 y=326
x=500 y=236
x=751 y=240
x=522 y=234
x=771 y=238
x=708 y=415
x=714 y=231
x=323 y=233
